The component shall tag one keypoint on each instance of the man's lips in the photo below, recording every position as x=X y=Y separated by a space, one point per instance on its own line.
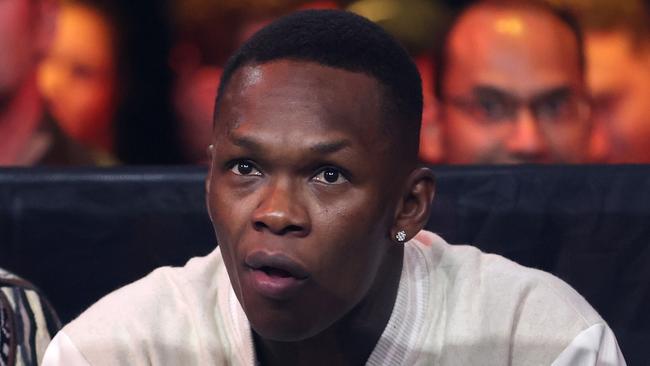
x=277 y=263
x=275 y=275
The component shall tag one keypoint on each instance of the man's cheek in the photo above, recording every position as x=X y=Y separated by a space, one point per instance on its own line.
x=346 y=265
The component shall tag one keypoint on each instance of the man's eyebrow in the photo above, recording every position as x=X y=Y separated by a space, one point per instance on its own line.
x=329 y=147
x=490 y=91
x=246 y=143
x=324 y=148
x=557 y=92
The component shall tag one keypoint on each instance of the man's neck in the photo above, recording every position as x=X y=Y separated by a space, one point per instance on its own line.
x=351 y=340
x=19 y=119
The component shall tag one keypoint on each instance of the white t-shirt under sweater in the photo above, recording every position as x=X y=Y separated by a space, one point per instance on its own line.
x=455 y=306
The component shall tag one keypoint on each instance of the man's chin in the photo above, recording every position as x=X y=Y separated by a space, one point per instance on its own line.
x=282 y=329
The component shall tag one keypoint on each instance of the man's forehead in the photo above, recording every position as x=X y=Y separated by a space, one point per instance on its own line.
x=486 y=29
x=504 y=47
x=287 y=95
x=308 y=74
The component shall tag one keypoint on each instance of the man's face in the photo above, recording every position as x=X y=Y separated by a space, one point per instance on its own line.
x=513 y=90
x=619 y=80
x=17 y=43
x=301 y=194
x=78 y=76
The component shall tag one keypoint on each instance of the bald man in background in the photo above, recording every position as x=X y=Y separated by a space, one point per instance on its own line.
x=511 y=86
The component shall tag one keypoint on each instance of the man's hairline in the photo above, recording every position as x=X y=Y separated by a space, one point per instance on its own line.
x=384 y=94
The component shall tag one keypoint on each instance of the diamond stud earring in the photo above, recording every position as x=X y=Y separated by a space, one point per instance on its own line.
x=400 y=236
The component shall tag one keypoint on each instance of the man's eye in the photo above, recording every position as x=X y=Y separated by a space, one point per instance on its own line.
x=330 y=176
x=244 y=168
x=83 y=71
x=551 y=109
x=493 y=109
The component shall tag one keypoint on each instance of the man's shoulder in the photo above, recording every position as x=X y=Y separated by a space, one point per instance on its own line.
x=167 y=308
x=531 y=311
x=492 y=276
x=164 y=288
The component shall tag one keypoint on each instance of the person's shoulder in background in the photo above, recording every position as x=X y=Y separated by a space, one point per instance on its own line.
x=61 y=150
x=27 y=321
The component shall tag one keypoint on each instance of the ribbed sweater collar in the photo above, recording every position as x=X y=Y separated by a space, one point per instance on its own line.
x=398 y=343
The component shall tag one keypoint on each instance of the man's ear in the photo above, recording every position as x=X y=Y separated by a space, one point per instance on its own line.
x=415 y=204
x=208 y=178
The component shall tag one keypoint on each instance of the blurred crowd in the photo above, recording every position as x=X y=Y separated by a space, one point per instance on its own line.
x=104 y=82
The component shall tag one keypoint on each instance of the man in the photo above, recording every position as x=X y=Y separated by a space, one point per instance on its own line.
x=316 y=198
x=26 y=138
x=510 y=86
x=617 y=38
x=27 y=322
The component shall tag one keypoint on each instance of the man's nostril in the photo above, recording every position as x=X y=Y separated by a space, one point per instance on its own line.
x=280 y=230
x=292 y=228
x=259 y=225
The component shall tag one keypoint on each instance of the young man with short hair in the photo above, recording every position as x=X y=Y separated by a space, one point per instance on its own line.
x=318 y=205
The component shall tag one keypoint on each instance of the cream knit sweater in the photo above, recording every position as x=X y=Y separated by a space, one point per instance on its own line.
x=455 y=306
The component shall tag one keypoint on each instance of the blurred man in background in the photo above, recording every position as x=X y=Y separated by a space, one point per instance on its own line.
x=511 y=86
x=107 y=82
x=617 y=36
x=207 y=32
x=26 y=28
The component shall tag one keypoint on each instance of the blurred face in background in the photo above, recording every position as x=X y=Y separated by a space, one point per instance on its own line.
x=619 y=80
x=78 y=76
x=513 y=89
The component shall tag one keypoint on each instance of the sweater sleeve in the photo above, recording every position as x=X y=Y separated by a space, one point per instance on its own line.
x=594 y=346
x=62 y=351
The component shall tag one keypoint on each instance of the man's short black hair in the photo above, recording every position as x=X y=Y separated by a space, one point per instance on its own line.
x=561 y=13
x=346 y=41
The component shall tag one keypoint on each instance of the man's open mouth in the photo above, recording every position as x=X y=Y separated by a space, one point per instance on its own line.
x=275 y=272
x=275 y=276
x=276 y=265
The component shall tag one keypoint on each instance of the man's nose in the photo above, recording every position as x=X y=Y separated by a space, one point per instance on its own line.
x=526 y=140
x=50 y=78
x=281 y=210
